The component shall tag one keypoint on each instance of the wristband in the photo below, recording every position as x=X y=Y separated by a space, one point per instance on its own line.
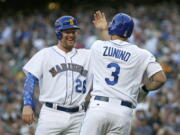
x=145 y=89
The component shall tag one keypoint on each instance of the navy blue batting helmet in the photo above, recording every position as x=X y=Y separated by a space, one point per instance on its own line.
x=63 y=23
x=121 y=25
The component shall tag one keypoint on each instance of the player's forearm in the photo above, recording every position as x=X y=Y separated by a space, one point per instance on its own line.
x=104 y=34
x=101 y=24
x=156 y=81
x=88 y=97
x=153 y=85
x=29 y=87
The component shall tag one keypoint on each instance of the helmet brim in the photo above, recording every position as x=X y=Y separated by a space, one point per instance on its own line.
x=70 y=27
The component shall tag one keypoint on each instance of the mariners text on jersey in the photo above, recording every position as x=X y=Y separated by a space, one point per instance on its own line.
x=116 y=53
x=68 y=66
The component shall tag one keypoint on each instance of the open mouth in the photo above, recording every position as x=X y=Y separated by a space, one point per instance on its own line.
x=71 y=40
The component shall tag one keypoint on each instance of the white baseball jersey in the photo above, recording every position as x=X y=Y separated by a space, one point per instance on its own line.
x=118 y=68
x=62 y=76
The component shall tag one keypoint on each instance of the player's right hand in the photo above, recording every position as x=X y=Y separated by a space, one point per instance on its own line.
x=28 y=115
x=100 y=21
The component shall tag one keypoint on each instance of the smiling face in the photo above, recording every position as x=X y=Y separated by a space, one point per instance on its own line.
x=68 y=39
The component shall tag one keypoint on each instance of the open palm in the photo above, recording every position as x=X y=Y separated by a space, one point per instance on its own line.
x=100 y=21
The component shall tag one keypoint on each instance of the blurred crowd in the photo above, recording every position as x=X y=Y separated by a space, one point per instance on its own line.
x=157 y=29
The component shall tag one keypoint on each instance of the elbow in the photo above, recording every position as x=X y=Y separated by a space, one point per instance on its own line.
x=158 y=80
x=163 y=79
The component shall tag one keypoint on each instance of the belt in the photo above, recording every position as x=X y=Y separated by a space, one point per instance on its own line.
x=106 y=99
x=70 y=109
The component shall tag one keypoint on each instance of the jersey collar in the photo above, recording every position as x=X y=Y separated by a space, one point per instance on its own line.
x=119 y=42
x=71 y=53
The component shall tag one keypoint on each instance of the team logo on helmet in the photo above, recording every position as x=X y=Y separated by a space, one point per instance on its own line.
x=71 y=22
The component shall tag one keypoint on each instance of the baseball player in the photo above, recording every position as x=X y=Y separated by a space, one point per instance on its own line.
x=61 y=72
x=117 y=67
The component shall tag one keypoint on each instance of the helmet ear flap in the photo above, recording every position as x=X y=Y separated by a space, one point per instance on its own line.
x=59 y=35
x=112 y=25
x=63 y=23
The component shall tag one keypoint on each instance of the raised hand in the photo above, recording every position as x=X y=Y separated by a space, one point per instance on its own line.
x=100 y=21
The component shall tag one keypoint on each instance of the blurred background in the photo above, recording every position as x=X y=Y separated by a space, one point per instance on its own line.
x=27 y=26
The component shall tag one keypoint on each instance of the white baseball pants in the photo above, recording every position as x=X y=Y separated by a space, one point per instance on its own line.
x=107 y=118
x=56 y=122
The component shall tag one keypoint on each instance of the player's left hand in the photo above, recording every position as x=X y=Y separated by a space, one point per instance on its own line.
x=85 y=105
x=100 y=21
x=142 y=94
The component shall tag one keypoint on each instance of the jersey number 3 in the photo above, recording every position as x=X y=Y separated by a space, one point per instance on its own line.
x=114 y=74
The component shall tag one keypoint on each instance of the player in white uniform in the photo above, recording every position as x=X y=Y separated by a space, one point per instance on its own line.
x=117 y=68
x=61 y=72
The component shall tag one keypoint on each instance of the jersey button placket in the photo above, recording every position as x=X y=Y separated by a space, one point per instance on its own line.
x=69 y=79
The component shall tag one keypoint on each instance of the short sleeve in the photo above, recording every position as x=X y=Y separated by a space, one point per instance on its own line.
x=35 y=64
x=153 y=67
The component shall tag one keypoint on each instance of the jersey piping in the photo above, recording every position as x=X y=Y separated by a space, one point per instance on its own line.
x=66 y=74
x=72 y=77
